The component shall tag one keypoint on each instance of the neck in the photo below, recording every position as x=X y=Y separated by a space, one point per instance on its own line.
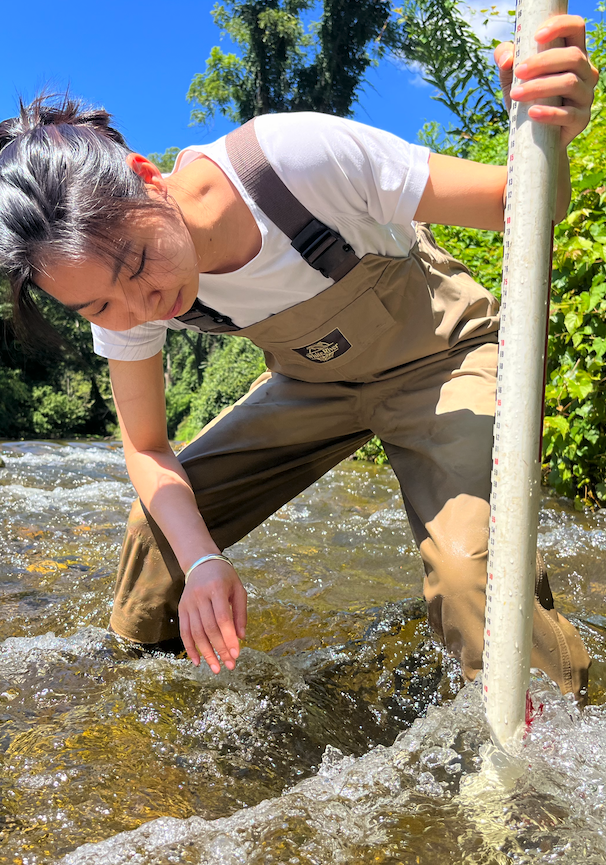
x=224 y=231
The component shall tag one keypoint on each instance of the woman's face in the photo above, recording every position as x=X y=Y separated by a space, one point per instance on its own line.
x=156 y=278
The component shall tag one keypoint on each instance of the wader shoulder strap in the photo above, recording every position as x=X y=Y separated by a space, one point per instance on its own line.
x=320 y=246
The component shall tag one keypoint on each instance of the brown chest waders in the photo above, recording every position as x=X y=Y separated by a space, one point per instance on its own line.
x=401 y=348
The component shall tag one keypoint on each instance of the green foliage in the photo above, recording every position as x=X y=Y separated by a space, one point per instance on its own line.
x=372 y=452
x=56 y=414
x=436 y=35
x=15 y=404
x=50 y=393
x=232 y=368
x=285 y=65
x=575 y=422
x=574 y=435
x=165 y=161
x=186 y=355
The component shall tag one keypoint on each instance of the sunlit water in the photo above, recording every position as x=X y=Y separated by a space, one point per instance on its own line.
x=338 y=739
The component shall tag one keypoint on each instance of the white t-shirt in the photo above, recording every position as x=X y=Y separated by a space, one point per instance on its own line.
x=362 y=182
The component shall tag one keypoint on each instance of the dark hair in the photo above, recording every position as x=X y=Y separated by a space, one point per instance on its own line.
x=66 y=193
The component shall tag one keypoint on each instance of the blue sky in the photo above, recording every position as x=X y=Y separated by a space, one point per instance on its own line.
x=138 y=62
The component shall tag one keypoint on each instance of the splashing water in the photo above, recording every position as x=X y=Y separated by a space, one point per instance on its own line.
x=338 y=739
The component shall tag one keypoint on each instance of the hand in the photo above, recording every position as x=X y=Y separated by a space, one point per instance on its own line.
x=212 y=613
x=564 y=72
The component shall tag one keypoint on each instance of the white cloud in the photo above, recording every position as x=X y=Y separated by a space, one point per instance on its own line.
x=411 y=66
x=499 y=24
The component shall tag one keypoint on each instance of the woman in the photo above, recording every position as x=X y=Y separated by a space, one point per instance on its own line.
x=367 y=327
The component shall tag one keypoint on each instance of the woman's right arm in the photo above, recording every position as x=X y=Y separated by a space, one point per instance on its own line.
x=212 y=611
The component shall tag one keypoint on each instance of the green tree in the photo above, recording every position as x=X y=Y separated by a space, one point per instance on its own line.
x=435 y=35
x=51 y=392
x=284 y=64
x=165 y=161
x=229 y=373
x=186 y=356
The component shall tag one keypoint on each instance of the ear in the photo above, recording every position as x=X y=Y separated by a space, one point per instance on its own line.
x=148 y=172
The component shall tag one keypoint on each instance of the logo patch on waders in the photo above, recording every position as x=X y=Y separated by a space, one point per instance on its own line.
x=334 y=344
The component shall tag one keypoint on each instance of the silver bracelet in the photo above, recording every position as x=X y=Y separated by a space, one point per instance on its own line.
x=208 y=558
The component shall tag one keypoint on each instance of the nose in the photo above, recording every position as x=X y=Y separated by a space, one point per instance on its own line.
x=142 y=304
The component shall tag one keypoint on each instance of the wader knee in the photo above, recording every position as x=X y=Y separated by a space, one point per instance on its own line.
x=456 y=614
x=147 y=596
x=557 y=648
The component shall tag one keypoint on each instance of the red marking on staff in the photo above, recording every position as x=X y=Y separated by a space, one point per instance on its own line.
x=531 y=713
x=499 y=402
x=488 y=633
x=496 y=462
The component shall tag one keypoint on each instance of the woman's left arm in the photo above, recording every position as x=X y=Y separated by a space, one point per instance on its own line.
x=460 y=192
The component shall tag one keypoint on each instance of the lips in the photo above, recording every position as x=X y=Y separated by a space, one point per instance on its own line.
x=175 y=309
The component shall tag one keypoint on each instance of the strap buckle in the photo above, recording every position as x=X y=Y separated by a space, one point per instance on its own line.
x=314 y=241
x=207 y=320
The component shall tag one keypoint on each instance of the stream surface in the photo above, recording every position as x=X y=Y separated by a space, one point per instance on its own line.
x=342 y=737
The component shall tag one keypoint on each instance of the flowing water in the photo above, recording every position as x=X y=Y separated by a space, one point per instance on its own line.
x=343 y=736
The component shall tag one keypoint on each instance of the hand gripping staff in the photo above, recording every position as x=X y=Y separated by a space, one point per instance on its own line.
x=516 y=474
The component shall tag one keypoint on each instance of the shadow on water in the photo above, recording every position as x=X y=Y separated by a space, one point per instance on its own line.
x=337 y=739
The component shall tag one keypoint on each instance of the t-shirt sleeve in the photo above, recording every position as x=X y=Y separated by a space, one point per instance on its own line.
x=138 y=343
x=351 y=167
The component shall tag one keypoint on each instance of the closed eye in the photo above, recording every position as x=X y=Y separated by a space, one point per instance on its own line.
x=103 y=308
x=141 y=265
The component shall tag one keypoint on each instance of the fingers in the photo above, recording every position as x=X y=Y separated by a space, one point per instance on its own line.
x=570 y=28
x=566 y=85
x=195 y=640
x=212 y=616
x=186 y=636
x=568 y=119
x=217 y=630
x=563 y=72
x=239 y=610
x=571 y=61
x=503 y=55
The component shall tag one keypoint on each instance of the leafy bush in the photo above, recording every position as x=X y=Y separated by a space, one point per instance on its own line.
x=46 y=391
x=59 y=413
x=574 y=434
x=15 y=403
x=231 y=370
x=575 y=421
x=373 y=452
